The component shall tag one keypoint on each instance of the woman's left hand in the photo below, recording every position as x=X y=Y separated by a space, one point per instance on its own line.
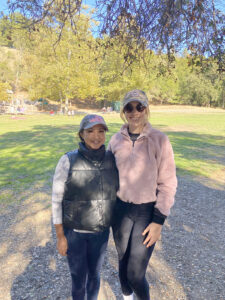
x=153 y=231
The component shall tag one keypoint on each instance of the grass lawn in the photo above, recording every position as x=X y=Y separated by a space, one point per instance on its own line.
x=30 y=146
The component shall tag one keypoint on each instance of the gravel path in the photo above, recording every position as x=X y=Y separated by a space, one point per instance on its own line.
x=188 y=261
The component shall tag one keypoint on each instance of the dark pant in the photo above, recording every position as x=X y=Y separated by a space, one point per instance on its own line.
x=131 y=220
x=85 y=257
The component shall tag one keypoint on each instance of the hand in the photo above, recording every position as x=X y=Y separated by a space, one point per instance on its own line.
x=62 y=245
x=153 y=231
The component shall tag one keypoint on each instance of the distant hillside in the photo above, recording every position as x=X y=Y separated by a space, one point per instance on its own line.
x=9 y=70
x=8 y=56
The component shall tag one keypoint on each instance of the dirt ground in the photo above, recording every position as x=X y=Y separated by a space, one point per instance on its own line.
x=188 y=262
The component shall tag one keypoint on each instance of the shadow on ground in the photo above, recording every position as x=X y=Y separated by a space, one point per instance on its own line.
x=27 y=154
x=47 y=276
x=188 y=262
x=191 y=251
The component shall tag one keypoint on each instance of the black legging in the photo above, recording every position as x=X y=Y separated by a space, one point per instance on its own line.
x=131 y=220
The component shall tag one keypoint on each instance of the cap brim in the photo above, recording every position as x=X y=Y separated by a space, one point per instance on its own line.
x=96 y=123
x=132 y=100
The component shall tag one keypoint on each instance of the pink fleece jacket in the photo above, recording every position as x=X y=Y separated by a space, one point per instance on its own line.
x=147 y=169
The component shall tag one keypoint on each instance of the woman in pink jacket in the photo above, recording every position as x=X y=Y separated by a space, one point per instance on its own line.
x=145 y=160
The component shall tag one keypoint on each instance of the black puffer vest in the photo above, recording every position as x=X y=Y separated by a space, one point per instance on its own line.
x=90 y=191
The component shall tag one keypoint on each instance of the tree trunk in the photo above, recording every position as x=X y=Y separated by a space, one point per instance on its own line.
x=223 y=100
x=66 y=106
x=61 y=103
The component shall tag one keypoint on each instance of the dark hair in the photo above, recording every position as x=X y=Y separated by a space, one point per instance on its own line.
x=79 y=135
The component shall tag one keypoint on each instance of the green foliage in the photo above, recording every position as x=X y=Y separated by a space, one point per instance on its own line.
x=65 y=71
x=12 y=30
x=8 y=63
x=197 y=84
x=197 y=90
x=80 y=66
x=4 y=96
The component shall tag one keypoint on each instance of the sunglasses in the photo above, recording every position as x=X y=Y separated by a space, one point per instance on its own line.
x=129 y=108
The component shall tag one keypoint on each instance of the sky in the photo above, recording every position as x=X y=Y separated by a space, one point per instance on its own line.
x=3 y=6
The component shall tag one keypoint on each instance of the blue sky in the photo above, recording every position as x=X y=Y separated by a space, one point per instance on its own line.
x=3 y=5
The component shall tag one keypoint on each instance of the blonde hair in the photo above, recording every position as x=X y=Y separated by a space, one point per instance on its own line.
x=147 y=115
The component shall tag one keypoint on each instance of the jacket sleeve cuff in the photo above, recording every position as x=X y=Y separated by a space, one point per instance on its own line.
x=158 y=217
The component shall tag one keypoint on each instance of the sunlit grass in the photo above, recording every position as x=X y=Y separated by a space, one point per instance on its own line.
x=30 y=146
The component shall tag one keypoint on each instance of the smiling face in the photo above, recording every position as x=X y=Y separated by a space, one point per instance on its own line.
x=94 y=137
x=136 y=117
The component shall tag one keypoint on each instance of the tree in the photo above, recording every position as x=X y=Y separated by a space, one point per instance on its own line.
x=8 y=59
x=197 y=86
x=12 y=28
x=81 y=66
x=168 y=25
x=4 y=87
x=64 y=72
x=5 y=32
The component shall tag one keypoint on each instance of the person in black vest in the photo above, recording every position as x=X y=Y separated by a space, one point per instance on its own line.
x=83 y=199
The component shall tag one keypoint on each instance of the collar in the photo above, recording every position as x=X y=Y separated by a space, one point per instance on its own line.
x=145 y=132
x=92 y=155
